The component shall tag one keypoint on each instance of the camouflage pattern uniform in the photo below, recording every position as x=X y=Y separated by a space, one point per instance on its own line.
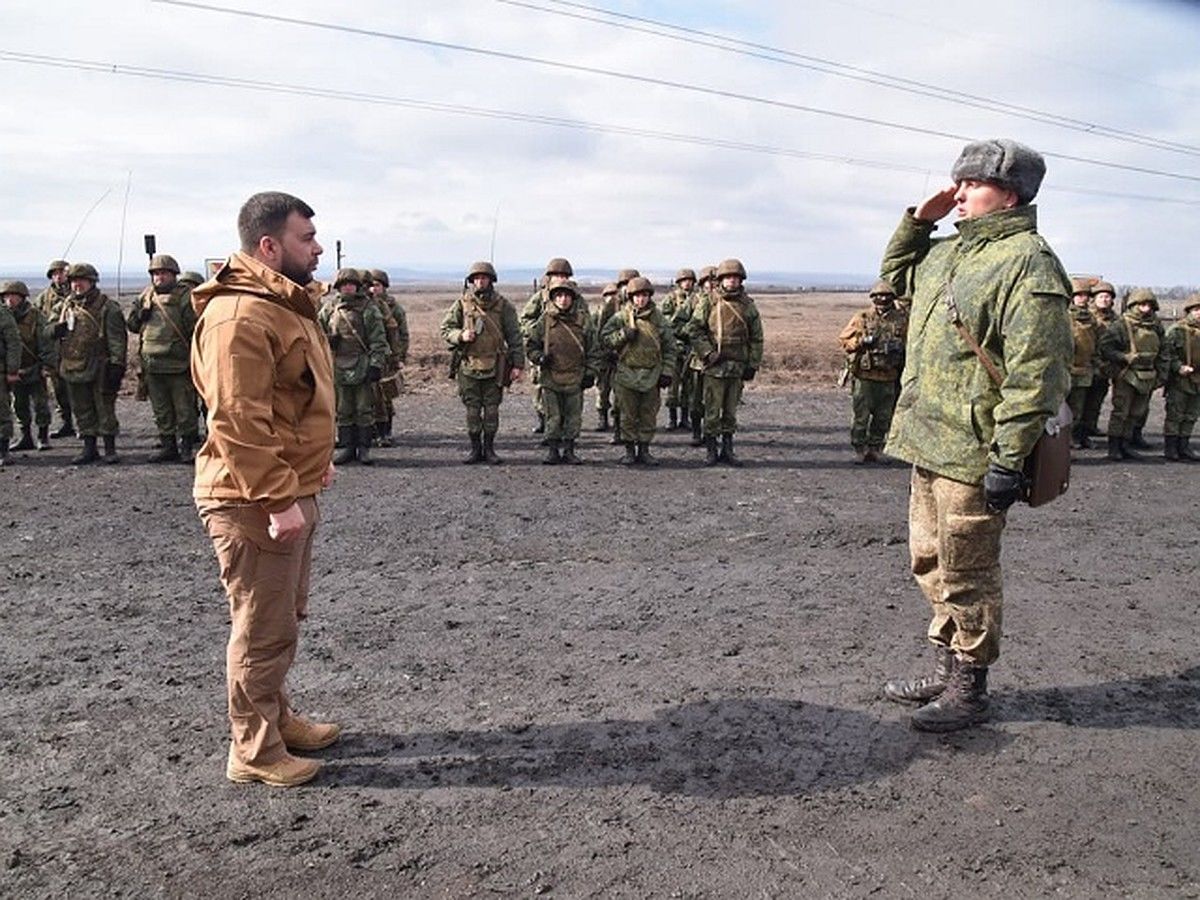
x=645 y=349
x=873 y=341
x=1135 y=344
x=1183 y=382
x=613 y=303
x=558 y=271
x=10 y=366
x=49 y=303
x=603 y=312
x=481 y=366
x=357 y=336
x=163 y=318
x=92 y=351
x=30 y=398
x=395 y=325
x=693 y=363
x=564 y=345
x=1086 y=364
x=1105 y=372
x=675 y=306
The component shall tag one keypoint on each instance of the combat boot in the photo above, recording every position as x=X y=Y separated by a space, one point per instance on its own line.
x=673 y=414
x=602 y=420
x=1137 y=442
x=187 y=449
x=1185 y=449
x=860 y=455
x=684 y=419
x=26 y=442
x=630 y=457
x=711 y=457
x=540 y=427
x=727 y=455
x=489 y=450
x=300 y=733
x=568 y=454
x=3 y=453
x=923 y=688
x=110 y=450
x=1115 y=453
x=88 y=454
x=643 y=454
x=43 y=438
x=169 y=451
x=476 y=454
x=697 y=432
x=363 y=451
x=616 y=417
x=962 y=704
x=66 y=429
x=551 y=458
x=383 y=434
x=286 y=772
x=347 y=442
x=1127 y=451
x=1171 y=447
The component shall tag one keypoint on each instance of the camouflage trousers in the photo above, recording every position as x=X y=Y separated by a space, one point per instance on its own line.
x=721 y=398
x=639 y=413
x=1077 y=401
x=539 y=399
x=62 y=397
x=173 y=402
x=95 y=411
x=871 y=403
x=954 y=544
x=29 y=395
x=6 y=415
x=355 y=404
x=481 y=397
x=564 y=413
x=1093 y=401
x=1129 y=410
x=1182 y=411
x=695 y=393
x=676 y=390
x=604 y=387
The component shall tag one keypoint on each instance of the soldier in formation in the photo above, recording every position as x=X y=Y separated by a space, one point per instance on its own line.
x=484 y=335
x=608 y=305
x=29 y=396
x=725 y=333
x=693 y=363
x=91 y=346
x=1103 y=295
x=677 y=307
x=49 y=303
x=354 y=327
x=873 y=341
x=1135 y=345
x=644 y=346
x=10 y=367
x=1183 y=383
x=613 y=303
x=562 y=342
x=395 y=324
x=558 y=271
x=1087 y=363
x=163 y=318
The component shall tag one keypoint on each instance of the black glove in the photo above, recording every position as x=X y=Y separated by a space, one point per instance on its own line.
x=114 y=374
x=588 y=381
x=749 y=373
x=712 y=358
x=630 y=334
x=664 y=380
x=373 y=373
x=547 y=360
x=60 y=331
x=335 y=341
x=868 y=340
x=146 y=313
x=1002 y=487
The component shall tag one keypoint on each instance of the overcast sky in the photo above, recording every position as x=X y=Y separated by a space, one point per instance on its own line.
x=421 y=189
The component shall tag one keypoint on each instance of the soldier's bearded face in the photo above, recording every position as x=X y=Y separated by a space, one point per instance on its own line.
x=297 y=248
x=978 y=198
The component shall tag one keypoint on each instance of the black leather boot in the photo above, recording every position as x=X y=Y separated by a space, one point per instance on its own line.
x=962 y=704
x=1137 y=442
x=923 y=688
x=88 y=454
x=110 y=450
x=673 y=415
x=476 y=454
x=43 y=438
x=643 y=454
x=3 y=453
x=1171 y=447
x=1127 y=451
x=66 y=429
x=347 y=442
x=187 y=449
x=1185 y=449
x=169 y=451
x=489 y=450
x=685 y=421
x=568 y=454
x=363 y=451
x=602 y=421
x=697 y=432
x=727 y=454
x=630 y=457
x=552 y=457
x=711 y=457
x=1115 y=453
x=26 y=442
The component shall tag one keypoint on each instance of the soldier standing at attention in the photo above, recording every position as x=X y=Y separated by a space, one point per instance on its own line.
x=1135 y=345
x=1183 y=382
x=358 y=339
x=37 y=358
x=563 y=343
x=645 y=348
x=675 y=305
x=482 y=330
x=874 y=345
x=49 y=303
x=725 y=332
x=608 y=305
x=262 y=366
x=163 y=316
x=1103 y=295
x=1085 y=367
x=396 y=325
x=92 y=348
x=693 y=365
x=558 y=271
x=612 y=305
x=10 y=369
x=998 y=283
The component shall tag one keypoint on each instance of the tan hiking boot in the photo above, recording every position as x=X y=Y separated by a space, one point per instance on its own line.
x=289 y=771
x=301 y=734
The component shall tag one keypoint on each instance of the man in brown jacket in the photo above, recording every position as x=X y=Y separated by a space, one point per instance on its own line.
x=262 y=367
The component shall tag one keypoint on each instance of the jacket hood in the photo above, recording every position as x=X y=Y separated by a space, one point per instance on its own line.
x=246 y=275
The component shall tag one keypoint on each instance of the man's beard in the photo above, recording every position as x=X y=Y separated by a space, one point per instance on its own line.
x=295 y=272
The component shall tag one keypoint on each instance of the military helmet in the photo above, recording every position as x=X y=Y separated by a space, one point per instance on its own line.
x=344 y=276
x=83 y=270
x=684 y=274
x=194 y=279
x=706 y=274
x=1141 y=295
x=381 y=276
x=163 y=261
x=639 y=285
x=1102 y=286
x=1192 y=302
x=55 y=265
x=1080 y=285
x=609 y=290
x=731 y=267
x=625 y=275
x=882 y=288
x=481 y=268
x=559 y=266
x=569 y=286
x=14 y=287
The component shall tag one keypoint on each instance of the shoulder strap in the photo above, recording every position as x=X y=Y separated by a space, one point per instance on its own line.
x=956 y=321
x=338 y=312
x=162 y=309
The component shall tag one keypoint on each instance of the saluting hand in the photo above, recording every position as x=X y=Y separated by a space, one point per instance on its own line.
x=938 y=206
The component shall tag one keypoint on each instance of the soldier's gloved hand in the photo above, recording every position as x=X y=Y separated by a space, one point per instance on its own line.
x=373 y=374
x=547 y=360
x=60 y=331
x=1002 y=487
x=335 y=341
x=664 y=380
x=748 y=373
x=114 y=374
x=868 y=340
x=146 y=312
x=712 y=358
x=588 y=381
x=630 y=334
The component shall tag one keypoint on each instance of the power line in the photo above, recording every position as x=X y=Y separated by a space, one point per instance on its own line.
x=273 y=87
x=646 y=79
x=727 y=44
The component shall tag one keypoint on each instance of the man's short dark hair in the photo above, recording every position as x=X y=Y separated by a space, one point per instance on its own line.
x=265 y=214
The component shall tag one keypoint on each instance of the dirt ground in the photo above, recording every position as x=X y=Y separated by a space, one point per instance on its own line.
x=592 y=682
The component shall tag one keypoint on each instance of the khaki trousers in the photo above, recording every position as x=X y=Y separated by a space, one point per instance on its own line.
x=955 y=547
x=267 y=586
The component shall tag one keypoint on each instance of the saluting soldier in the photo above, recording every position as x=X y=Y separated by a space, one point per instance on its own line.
x=1086 y=364
x=676 y=303
x=37 y=358
x=482 y=330
x=358 y=339
x=49 y=302
x=558 y=271
x=1103 y=295
x=10 y=366
x=1135 y=344
x=564 y=345
x=163 y=317
x=874 y=344
x=725 y=331
x=1183 y=382
x=92 y=349
x=644 y=344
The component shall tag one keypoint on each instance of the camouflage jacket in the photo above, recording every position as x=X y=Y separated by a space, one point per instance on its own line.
x=1011 y=294
x=10 y=344
x=674 y=301
x=644 y=358
x=1085 y=334
x=883 y=359
x=572 y=341
x=1183 y=349
x=1104 y=318
x=166 y=336
x=497 y=333
x=50 y=301
x=531 y=312
x=731 y=325
x=1136 y=348
x=400 y=348
x=95 y=337
x=37 y=347
x=357 y=336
